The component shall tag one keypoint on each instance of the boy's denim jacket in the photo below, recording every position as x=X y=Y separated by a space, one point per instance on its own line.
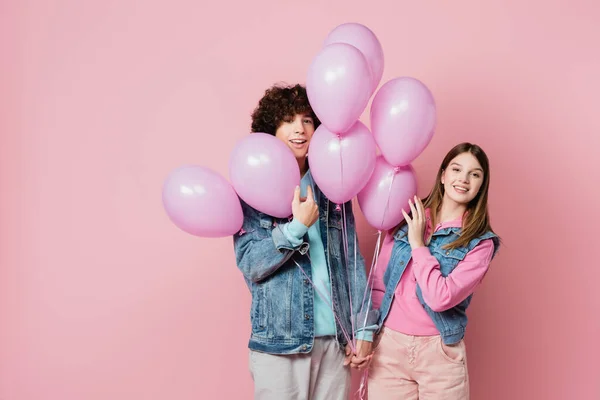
x=281 y=313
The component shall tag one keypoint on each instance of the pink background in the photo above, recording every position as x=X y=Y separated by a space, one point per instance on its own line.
x=101 y=297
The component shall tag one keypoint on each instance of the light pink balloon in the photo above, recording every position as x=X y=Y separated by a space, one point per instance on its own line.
x=201 y=202
x=339 y=86
x=264 y=173
x=387 y=192
x=364 y=40
x=403 y=119
x=342 y=164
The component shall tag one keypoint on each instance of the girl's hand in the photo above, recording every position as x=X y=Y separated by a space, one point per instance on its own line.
x=416 y=224
x=364 y=354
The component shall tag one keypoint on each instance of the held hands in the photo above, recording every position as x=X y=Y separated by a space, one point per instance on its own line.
x=416 y=224
x=305 y=210
x=363 y=356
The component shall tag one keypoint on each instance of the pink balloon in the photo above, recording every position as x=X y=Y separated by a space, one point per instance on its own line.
x=403 y=119
x=364 y=40
x=201 y=202
x=342 y=164
x=387 y=192
x=264 y=173
x=339 y=86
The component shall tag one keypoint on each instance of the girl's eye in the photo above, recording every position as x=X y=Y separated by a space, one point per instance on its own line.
x=455 y=169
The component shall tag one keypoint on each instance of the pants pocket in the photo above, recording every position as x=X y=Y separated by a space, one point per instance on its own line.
x=455 y=354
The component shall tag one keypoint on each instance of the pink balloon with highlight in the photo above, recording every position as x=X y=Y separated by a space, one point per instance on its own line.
x=338 y=86
x=264 y=173
x=387 y=192
x=403 y=117
x=201 y=202
x=342 y=164
x=364 y=40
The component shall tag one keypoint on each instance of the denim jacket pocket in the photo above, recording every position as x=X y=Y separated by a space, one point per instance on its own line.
x=334 y=232
x=265 y=226
x=266 y=222
x=259 y=309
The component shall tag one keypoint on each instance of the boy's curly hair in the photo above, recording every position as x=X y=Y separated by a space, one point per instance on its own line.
x=280 y=104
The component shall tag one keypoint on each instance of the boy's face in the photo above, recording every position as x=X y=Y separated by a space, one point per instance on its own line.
x=296 y=134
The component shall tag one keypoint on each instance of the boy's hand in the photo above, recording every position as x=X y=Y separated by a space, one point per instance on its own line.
x=306 y=210
x=349 y=355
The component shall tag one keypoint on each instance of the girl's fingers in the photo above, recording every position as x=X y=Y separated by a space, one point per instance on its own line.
x=406 y=217
x=419 y=207
x=415 y=215
x=408 y=220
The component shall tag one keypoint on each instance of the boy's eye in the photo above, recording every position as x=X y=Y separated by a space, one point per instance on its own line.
x=308 y=121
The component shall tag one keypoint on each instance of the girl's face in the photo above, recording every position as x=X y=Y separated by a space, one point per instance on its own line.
x=462 y=179
x=296 y=134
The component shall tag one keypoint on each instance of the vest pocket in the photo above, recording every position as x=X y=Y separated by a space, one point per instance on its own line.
x=455 y=254
x=448 y=258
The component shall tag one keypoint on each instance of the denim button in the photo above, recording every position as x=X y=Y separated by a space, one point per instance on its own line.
x=448 y=253
x=306 y=316
x=306 y=281
x=304 y=347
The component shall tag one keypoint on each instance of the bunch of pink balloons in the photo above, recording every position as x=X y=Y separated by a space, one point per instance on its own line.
x=344 y=163
x=343 y=153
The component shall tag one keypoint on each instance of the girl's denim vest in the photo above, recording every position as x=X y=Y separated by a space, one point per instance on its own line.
x=450 y=323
